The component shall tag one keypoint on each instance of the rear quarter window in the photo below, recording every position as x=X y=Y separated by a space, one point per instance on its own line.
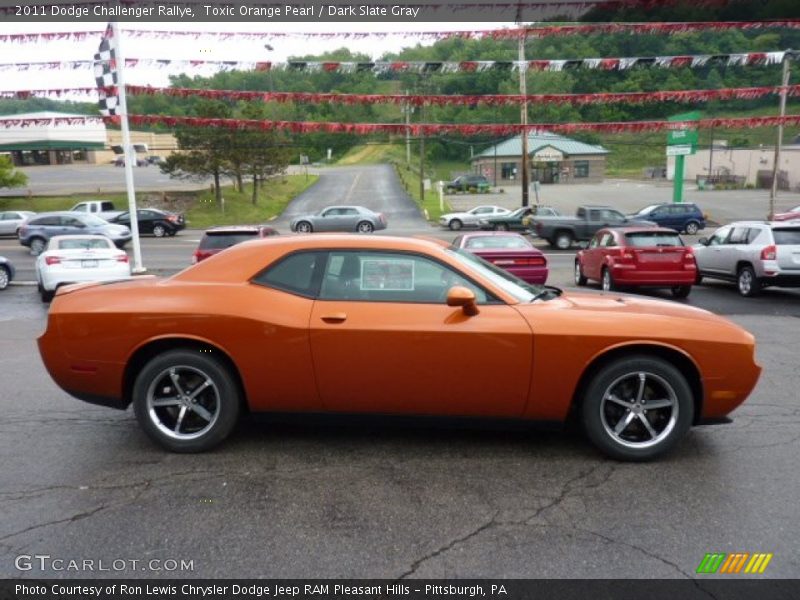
x=294 y=274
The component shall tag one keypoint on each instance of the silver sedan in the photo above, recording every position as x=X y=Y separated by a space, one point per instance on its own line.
x=11 y=220
x=340 y=218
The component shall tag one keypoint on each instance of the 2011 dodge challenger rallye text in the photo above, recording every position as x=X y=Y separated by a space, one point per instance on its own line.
x=393 y=326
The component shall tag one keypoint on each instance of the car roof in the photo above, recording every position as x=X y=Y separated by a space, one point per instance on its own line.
x=237 y=228
x=639 y=229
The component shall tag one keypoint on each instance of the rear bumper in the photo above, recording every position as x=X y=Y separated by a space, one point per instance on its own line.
x=536 y=275
x=52 y=280
x=626 y=275
x=781 y=279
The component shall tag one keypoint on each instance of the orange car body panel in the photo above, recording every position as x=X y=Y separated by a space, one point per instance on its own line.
x=510 y=360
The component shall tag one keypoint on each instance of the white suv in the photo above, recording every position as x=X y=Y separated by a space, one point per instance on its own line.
x=754 y=254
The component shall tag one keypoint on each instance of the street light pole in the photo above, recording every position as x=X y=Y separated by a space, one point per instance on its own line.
x=523 y=90
x=775 y=165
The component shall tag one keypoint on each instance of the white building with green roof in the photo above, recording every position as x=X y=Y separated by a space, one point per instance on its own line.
x=553 y=159
x=47 y=143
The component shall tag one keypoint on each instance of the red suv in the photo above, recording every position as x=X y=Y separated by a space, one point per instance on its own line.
x=218 y=238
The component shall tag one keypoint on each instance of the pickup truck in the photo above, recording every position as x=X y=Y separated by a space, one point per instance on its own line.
x=101 y=208
x=560 y=232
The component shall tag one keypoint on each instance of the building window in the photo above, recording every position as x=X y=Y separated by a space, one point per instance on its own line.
x=581 y=168
x=79 y=155
x=508 y=170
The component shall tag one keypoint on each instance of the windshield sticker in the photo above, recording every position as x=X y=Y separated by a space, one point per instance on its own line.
x=396 y=275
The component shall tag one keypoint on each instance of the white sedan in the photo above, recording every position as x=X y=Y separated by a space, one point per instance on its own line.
x=78 y=259
x=470 y=218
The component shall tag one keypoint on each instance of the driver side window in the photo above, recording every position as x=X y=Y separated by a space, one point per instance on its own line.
x=720 y=237
x=365 y=276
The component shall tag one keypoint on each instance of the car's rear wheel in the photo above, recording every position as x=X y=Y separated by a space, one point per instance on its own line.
x=692 y=227
x=304 y=227
x=563 y=240
x=501 y=227
x=46 y=295
x=455 y=224
x=580 y=279
x=681 y=291
x=159 y=231
x=607 y=280
x=365 y=227
x=747 y=282
x=37 y=246
x=5 y=277
x=186 y=400
x=637 y=408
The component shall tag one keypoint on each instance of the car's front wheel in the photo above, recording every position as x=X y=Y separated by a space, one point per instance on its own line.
x=580 y=278
x=365 y=227
x=681 y=291
x=455 y=224
x=304 y=227
x=5 y=277
x=186 y=400
x=637 y=408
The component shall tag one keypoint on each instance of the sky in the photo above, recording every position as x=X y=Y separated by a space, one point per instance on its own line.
x=200 y=49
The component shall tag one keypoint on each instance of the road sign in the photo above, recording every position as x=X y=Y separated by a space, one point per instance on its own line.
x=681 y=150
x=683 y=136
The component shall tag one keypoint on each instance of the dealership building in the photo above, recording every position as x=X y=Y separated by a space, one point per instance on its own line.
x=47 y=143
x=552 y=159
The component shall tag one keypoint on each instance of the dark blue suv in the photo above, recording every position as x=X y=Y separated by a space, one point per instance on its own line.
x=684 y=217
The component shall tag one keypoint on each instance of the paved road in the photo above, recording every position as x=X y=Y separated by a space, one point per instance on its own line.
x=377 y=500
x=374 y=186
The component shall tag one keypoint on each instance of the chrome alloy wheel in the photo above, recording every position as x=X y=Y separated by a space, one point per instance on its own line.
x=183 y=402
x=639 y=410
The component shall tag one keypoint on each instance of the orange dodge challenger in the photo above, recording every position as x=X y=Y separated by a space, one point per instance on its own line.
x=395 y=326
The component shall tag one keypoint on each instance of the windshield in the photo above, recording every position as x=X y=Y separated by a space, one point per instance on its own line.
x=94 y=221
x=523 y=292
x=648 y=209
x=84 y=244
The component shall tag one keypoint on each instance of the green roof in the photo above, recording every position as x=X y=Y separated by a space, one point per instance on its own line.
x=537 y=141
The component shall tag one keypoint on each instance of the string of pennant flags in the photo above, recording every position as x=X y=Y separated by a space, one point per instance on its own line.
x=737 y=59
x=416 y=129
x=668 y=28
x=743 y=93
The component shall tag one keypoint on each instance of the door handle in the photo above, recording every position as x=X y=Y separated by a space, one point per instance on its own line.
x=334 y=318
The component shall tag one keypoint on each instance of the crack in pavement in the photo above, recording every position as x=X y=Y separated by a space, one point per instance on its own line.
x=566 y=489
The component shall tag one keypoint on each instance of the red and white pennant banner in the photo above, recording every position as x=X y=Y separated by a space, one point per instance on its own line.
x=747 y=93
x=668 y=28
x=417 y=129
x=738 y=59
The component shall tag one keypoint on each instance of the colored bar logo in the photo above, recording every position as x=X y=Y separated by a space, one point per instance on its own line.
x=735 y=563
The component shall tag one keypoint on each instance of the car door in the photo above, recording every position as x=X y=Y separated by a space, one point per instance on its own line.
x=70 y=225
x=476 y=214
x=593 y=255
x=147 y=220
x=327 y=220
x=349 y=218
x=734 y=250
x=709 y=257
x=7 y=223
x=384 y=340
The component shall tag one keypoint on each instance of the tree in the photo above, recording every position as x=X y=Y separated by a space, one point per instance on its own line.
x=263 y=153
x=203 y=151
x=9 y=176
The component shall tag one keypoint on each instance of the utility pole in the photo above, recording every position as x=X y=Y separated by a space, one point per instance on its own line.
x=523 y=90
x=776 y=162
x=407 y=110
x=421 y=154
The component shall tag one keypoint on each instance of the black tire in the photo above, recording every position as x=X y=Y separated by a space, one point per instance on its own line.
x=304 y=227
x=746 y=282
x=607 y=280
x=38 y=245
x=365 y=227
x=600 y=416
x=692 y=227
x=46 y=295
x=580 y=278
x=681 y=291
x=5 y=277
x=563 y=240
x=698 y=278
x=221 y=400
x=159 y=230
x=455 y=225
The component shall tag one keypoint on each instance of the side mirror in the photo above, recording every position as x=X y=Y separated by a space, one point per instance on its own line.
x=464 y=297
x=703 y=241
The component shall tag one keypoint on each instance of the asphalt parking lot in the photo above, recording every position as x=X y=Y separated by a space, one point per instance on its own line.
x=376 y=499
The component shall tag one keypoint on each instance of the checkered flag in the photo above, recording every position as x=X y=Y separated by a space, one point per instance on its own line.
x=105 y=73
